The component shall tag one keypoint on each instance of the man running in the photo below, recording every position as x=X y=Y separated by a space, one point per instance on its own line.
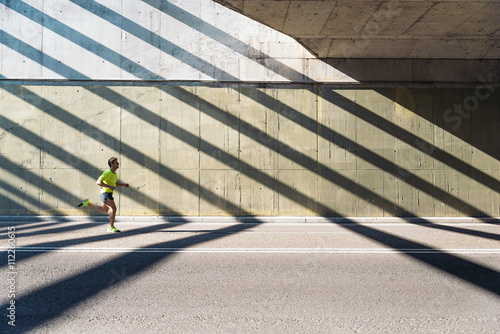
x=108 y=182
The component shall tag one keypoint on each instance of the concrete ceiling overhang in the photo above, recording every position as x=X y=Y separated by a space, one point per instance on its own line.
x=403 y=29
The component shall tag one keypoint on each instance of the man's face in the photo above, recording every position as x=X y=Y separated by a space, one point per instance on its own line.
x=115 y=164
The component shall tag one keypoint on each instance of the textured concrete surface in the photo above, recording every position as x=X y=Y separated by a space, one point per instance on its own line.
x=244 y=150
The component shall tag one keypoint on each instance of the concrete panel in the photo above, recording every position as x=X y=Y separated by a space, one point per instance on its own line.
x=457 y=186
x=180 y=123
x=143 y=195
x=77 y=44
x=456 y=14
x=139 y=126
x=338 y=200
x=20 y=191
x=479 y=196
x=337 y=129
x=415 y=149
x=17 y=32
x=345 y=19
x=218 y=129
x=20 y=126
x=297 y=130
x=273 y=13
x=134 y=47
x=179 y=193
x=299 y=198
x=378 y=146
x=371 y=187
x=63 y=108
x=69 y=184
x=100 y=127
x=408 y=199
x=312 y=14
x=220 y=192
x=493 y=52
x=258 y=145
x=482 y=21
x=256 y=198
x=394 y=18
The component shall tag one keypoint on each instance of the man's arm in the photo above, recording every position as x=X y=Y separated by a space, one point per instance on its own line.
x=118 y=184
x=101 y=183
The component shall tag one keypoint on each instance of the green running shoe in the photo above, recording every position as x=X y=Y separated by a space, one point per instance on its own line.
x=84 y=203
x=113 y=230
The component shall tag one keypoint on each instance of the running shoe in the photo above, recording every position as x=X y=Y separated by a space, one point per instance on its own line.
x=113 y=230
x=84 y=203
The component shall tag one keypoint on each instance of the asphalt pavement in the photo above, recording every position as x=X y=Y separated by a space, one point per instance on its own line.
x=222 y=276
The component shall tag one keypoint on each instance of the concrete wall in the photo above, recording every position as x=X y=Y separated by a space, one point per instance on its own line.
x=248 y=150
x=213 y=114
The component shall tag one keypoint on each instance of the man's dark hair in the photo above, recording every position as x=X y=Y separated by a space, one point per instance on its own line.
x=111 y=161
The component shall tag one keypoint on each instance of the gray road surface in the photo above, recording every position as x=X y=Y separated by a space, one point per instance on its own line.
x=73 y=277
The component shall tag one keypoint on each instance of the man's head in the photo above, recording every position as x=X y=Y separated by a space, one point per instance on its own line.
x=112 y=161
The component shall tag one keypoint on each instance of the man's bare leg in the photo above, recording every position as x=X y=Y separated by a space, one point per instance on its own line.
x=110 y=204
x=101 y=208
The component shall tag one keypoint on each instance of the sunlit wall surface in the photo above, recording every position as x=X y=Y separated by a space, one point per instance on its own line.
x=211 y=113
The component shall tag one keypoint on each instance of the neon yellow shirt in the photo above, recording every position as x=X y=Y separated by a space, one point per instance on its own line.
x=109 y=178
